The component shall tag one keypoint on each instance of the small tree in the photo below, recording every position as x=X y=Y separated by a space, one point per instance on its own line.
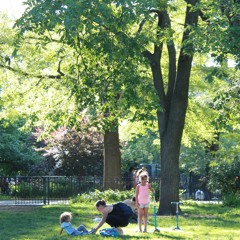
x=78 y=154
x=17 y=151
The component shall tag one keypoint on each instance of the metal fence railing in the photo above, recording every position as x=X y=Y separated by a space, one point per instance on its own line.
x=43 y=189
x=47 y=189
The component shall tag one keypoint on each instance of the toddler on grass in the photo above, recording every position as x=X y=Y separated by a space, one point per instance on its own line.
x=65 y=221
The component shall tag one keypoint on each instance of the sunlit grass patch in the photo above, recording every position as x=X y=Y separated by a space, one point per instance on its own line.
x=197 y=221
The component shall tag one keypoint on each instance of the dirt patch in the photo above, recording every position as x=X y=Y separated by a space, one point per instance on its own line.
x=17 y=208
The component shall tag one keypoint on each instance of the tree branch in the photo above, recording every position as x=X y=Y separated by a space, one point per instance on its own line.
x=44 y=39
x=148 y=55
x=141 y=25
x=59 y=68
x=203 y=17
x=172 y=62
x=18 y=71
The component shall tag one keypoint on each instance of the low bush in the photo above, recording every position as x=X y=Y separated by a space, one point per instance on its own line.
x=225 y=178
x=232 y=200
x=108 y=195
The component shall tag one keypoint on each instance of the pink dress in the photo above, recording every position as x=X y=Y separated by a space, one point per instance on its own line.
x=143 y=194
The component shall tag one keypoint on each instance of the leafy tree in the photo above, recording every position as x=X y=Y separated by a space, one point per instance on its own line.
x=76 y=153
x=174 y=98
x=225 y=177
x=140 y=144
x=17 y=153
x=220 y=29
x=226 y=104
x=17 y=150
x=97 y=81
x=121 y=30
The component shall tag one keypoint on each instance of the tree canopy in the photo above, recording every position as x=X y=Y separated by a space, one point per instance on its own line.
x=129 y=59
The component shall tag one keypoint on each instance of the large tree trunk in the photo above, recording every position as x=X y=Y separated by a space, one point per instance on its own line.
x=174 y=105
x=174 y=119
x=169 y=186
x=170 y=151
x=112 y=161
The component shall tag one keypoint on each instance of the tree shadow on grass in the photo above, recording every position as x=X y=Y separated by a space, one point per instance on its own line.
x=153 y=236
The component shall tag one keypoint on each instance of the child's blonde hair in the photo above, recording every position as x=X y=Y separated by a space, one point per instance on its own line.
x=65 y=217
x=143 y=175
x=140 y=171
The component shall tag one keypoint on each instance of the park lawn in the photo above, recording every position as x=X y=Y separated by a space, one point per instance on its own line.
x=198 y=221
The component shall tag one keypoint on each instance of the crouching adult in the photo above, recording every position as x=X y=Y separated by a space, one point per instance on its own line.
x=117 y=215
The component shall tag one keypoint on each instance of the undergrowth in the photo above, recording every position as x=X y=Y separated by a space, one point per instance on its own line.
x=108 y=195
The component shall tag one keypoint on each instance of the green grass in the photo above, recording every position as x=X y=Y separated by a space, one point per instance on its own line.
x=4 y=197
x=198 y=221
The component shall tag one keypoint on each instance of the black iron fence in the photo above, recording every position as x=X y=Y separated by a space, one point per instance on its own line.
x=48 y=189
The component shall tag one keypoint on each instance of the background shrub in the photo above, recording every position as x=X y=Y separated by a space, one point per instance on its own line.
x=225 y=177
x=108 y=196
x=231 y=200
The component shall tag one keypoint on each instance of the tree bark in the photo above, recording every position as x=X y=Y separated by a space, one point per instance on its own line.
x=173 y=104
x=174 y=119
x=112 y=161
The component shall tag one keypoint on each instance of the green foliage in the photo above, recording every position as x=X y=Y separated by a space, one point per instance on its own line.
x=17 y=153
x=29 y=190
x=108 y=195
x=92 y=50
x=142 y=147
x=226 y=102
x=232 y=200
x=213 y=108
x=93 y=56
x=224 y=177
x=75 y=153
x=219 y=35
x=193 y=158
x=156 y=187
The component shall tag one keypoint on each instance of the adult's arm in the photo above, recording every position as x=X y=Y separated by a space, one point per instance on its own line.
x=105 y=213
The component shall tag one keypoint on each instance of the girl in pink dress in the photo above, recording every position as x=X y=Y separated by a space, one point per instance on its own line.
x=143 y=200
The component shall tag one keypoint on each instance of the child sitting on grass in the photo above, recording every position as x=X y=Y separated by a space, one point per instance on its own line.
x=65 y=221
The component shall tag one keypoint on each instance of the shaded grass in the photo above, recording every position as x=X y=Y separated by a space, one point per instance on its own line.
x=198 y=221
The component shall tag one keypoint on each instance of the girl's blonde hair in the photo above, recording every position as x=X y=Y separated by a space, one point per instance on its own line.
x=65 y=217
x=143 y=175
x=140 y=171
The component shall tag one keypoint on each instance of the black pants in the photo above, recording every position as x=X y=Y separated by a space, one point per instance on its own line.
x=117 y=221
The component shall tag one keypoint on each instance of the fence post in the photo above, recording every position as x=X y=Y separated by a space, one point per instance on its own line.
x=48 y=192
x=44 y=190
